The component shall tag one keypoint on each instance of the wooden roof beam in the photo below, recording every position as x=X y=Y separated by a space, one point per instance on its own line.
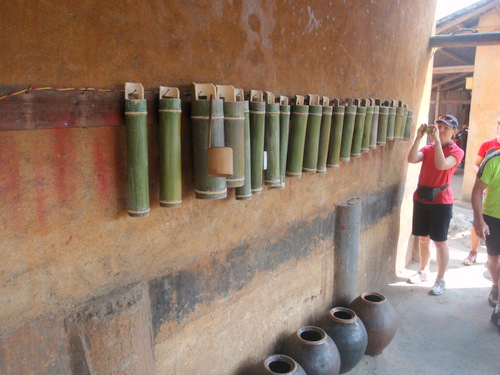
x=449 y=79
x=474 y=14
x=453 y=56
x=453 y=69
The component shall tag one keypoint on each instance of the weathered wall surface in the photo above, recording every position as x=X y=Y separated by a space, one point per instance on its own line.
x=484 y=102
x=222 y=281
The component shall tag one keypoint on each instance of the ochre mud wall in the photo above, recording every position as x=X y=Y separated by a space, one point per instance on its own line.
x=213 y=286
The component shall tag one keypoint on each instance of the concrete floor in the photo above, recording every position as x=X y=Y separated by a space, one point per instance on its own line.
x=449 y=334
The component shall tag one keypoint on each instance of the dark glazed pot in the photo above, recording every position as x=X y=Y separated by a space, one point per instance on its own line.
x=349 y=334
x=314 y=350
x=380 y=320
x=281 y=364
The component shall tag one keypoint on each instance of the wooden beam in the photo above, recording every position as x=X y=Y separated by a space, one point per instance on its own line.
x=454 y=85
x=453 y=56
x=451 y=101
x=452 y=78
x=474 y=14
x=453 y=69
x=438 y=101
x=465 y=40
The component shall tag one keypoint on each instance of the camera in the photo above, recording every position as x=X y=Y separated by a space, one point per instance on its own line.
x=428 y=129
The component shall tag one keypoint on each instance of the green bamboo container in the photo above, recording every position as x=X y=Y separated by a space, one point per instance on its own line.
x=137 y=150
x=365 y=143
x=311 y=146
x=398 y=125
x=297 y=139
x=324 y=135
x=383 y=119
x=284 y=133
x=234 y=137
x=336 y=135
x=409 y=123
x=205 y=186
x=405 y=115
x=170 y=147
x=391 y=123
x=244 y=193
x=272 y=141
x=359 y=127
x=374 y=130
x=348 y=132
x=257 y=130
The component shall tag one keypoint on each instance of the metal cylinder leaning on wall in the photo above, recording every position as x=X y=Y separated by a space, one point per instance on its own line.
x=391 y=121
x=359 y=127
x=137 y=150
x=311 y=146
x=348 y=132
x=244 y=193
x=170 y=147
x=409 y=121
x=365 y=143
x=257 y=128
x=205 y=186
x=383 y=119
x=296 y=141
x=336 y=134
x=272 y=141
x=374 y=129
x=234 y=121
x=400 y=113
x=284 y=133
x=324 y=135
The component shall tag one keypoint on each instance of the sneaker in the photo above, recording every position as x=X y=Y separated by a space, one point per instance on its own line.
x=493 y=297
x=438 y=288
x=471 y=258
x=495 y=319
x=418 y=277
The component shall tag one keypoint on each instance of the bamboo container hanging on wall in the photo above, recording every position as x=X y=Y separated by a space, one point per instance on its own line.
x=405 y=115
x=272 y=141
x=244 y=193
x=374 y=129
x=324 y=134
x=234 y=137
x=359 y=127
x=311 y=147
x=409 y=121
x=365 y=143
x=284 y=132
x=257 y=128
x=383 y=119
x=170 y=147
x=391 y=120
x=296 y=141
x=348 y=131
x=336 y=134
x=399 y=121
x=137 y=150
x=203 y=111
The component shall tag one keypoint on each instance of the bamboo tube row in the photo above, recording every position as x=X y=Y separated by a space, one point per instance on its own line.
x=259 y=139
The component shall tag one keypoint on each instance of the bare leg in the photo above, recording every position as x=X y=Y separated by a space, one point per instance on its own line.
x=424 y=249
x=493 y=266
x=474 y=240
x=442 y=257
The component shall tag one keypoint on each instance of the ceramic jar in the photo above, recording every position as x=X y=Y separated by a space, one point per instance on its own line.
x=349 y=334
x=281 y=364
x=314 y=350
x=380 y=320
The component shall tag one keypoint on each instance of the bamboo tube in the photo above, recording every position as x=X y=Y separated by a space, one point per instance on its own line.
x=137 y=150
x=391 y=122
x=359 y=127
x=234 y=137
x=409 y=121
x=365 y=143
x=170 y=147
x=348 y=131
x=272 y=141
x=324 y=135
x=383 y=119
x=374 y=130
x=244 y=193
x=257 y=128
x=205 y=186
x=336 y=134
x=296 y=142
x=400 y=113
x=284 y=133
x=311 y=146
x=402 y=133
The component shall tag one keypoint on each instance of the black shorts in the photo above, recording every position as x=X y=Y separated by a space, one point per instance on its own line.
x=431 y=220
x=493 y=240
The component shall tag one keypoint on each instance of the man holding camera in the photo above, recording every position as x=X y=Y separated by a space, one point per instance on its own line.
x=433 y=199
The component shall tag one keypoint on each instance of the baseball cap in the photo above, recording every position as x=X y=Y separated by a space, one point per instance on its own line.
x=449 y=120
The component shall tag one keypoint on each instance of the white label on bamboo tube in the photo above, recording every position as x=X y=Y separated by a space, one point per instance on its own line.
x=265 y=160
